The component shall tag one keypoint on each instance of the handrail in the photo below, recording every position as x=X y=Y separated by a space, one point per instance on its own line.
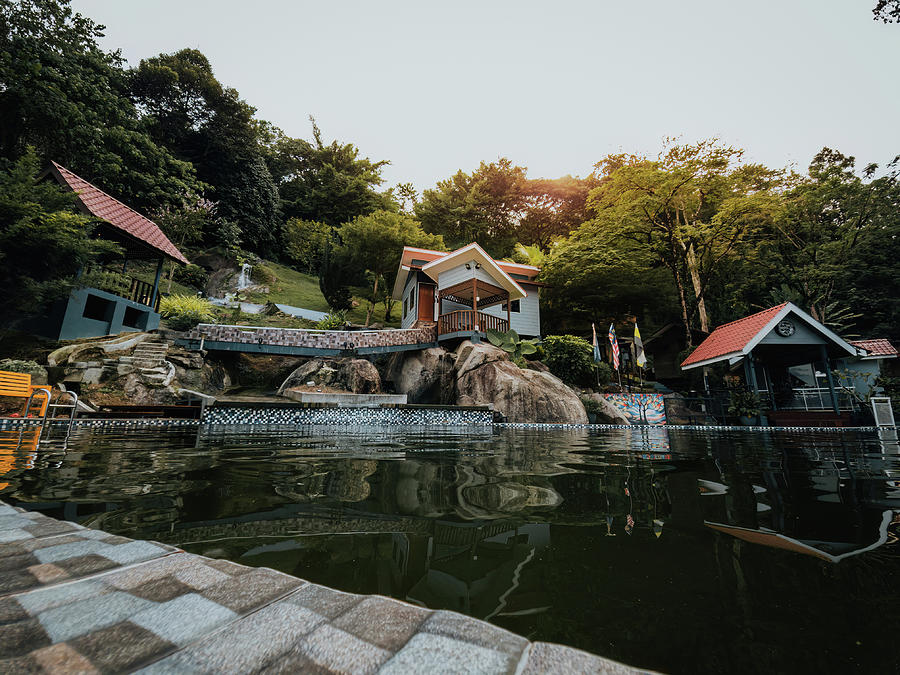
x=114 y=282
x=464 y=320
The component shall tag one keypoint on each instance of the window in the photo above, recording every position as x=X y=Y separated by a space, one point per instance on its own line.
x=412 y=298
x=515 y=307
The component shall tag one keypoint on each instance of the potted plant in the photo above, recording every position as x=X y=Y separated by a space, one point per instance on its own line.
x=745 y=405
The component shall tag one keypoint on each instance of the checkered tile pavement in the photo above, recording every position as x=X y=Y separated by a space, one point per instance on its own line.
x=79 y=600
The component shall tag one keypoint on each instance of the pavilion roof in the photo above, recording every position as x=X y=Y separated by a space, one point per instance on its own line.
x=876 y=348
x=110 y=210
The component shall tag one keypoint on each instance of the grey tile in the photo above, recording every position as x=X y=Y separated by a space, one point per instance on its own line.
x=382 y=622
x=544 y=657
x=43 y=599
x=83 y=616
x=183 y=619
x=481 y=633
x=323 y=600
x=428 y=653
x=334 y=649
x=253 y=589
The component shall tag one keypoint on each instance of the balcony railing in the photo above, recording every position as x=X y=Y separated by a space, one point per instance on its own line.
x=123 y=285
x=463 y=320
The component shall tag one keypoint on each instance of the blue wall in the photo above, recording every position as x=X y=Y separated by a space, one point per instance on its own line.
x=91 y=312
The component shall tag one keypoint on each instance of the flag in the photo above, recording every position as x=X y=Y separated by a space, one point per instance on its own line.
x=597 y=357
x=615 y=346
x=639 y=356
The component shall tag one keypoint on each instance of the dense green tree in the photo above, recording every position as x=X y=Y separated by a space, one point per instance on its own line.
x=184 y=224
x=188 y=111
x=44 y=240
x=690 y=209
x=305 y=242
x=553 y=208
x=887 y=11
x=374 y=243
x=324 y=183
x=66 y=97
x=485 y=207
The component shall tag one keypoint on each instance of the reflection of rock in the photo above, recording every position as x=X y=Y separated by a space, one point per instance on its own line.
x=424 y=376
x=356 y=375
x=506 y=497
x=485 y=375
x=349 y=483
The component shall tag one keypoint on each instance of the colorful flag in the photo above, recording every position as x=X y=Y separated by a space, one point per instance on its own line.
x=615 y=346
x=639 y=356
x=597 y=357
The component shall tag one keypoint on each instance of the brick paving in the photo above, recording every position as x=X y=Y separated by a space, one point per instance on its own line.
x=79 y=600
x=314 y=339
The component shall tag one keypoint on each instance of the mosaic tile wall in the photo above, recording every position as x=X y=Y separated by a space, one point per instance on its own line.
x=640 y=408
x=223 y=414
x=330 y=339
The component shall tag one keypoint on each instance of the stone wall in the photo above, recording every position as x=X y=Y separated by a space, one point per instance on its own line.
x=315 y=339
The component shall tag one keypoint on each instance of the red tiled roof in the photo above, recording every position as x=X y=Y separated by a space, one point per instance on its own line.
x=508 y=267
x=114 y=212
x=732 y=337
x=876 y=347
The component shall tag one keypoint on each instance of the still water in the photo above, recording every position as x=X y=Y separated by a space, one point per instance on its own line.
x=682 y=551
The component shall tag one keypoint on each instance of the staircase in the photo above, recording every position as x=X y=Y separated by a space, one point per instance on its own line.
x=148 y=359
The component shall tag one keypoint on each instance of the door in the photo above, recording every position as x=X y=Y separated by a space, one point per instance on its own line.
x=426 y=302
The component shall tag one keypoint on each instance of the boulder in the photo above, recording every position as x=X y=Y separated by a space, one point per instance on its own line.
x=425 y=376
x=608 y=413
x=356 y=375
x=485 y=375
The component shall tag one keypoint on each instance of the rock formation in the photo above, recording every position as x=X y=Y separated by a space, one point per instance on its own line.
x=356 y=375
x=426 y=376
x=485 y=375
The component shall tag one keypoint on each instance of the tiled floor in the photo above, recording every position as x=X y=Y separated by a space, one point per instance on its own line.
x=80 y=600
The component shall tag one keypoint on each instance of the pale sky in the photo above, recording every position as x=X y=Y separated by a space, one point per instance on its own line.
x=555 y=86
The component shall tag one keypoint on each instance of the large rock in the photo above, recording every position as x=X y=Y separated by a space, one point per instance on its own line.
x=485 y=375
x=425 y=376
x=608 y=413
x=356 y=375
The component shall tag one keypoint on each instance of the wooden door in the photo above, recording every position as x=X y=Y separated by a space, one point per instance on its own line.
x=426 y=302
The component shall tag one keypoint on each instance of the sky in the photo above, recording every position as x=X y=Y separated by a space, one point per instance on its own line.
x=555 y=86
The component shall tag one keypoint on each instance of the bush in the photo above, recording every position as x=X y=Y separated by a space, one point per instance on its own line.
x=570 y=358
x=191 y=275
x=333 y=321
x=183 y=312
x=17 y=366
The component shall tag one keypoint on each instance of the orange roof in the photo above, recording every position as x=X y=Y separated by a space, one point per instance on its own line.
x=114 y=212
x=411 y=253
x=876 y=347
x=731 y=338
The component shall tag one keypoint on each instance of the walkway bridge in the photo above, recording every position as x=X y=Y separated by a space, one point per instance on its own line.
x=307 y=342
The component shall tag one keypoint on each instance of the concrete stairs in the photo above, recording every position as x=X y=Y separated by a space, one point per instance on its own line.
x=148 y=360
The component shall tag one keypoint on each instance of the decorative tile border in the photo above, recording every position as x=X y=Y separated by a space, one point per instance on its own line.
x=345 y=417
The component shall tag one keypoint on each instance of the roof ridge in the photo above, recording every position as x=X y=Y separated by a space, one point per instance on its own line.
x=101 y=190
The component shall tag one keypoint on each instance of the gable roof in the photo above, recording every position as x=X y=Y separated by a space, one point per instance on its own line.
x=738 y=338
x=474 y=252
x=110 y=210
x=420 y=258
x=879 y=348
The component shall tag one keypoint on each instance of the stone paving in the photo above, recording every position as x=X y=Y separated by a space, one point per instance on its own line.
x=76 y=600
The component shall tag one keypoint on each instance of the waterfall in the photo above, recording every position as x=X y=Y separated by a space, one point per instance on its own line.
x=244 y=277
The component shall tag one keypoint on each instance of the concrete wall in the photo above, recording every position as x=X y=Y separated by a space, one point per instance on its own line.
x=802 y=336
x=107 y=314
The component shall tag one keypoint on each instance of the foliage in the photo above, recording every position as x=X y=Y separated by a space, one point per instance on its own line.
x=743 y=403
x=333 y=321
x=374 y=244
x=183 y=312
x=570 y=358
x=592 y=406
x=603 y=373
x=191 y=275
x=66 y=97
x=106 y=280
x=191 y=113
x=887 y=11
x=18 y=366
x=305 y=242
x=44 y=241
x=512 y=344
x=322 y=183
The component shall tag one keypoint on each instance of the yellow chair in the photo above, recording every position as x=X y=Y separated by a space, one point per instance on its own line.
x=18 y=385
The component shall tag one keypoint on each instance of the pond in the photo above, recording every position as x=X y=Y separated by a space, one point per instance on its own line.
x=681 y=551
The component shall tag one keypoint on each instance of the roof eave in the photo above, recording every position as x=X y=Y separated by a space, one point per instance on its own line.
x=710 y=361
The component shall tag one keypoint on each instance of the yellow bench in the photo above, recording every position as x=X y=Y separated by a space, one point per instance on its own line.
x=18 y=385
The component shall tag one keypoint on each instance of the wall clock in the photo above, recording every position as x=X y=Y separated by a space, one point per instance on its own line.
x=785 y=328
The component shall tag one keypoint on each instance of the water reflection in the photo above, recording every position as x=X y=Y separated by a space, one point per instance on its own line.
x=675 y=550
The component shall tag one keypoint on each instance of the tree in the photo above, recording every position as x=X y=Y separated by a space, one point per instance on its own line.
x=553 y=208
x=374 y=243
x=324 y=183
x=44 y=240
x=691 y=208
x=67 y=98
x=485 y=207
x=887 y=11
x=188 y=111
x=184 y=224
x=305 y=242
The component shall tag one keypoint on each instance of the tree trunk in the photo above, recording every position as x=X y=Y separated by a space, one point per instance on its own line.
x=372 y=302
x=694 y=270
x=171 y=272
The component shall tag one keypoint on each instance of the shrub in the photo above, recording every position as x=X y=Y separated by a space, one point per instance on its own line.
x=570 y=358
x=592 y=406
x=191 y=275
x=17 y=366
x=183 y=312
x=333 y=321
x=512 y=344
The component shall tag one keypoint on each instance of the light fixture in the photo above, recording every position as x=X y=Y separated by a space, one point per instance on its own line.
x=477 y=266
x=468 y=266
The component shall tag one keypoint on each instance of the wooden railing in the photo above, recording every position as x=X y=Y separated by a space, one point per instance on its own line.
x=123 y=285
x=466 y=320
